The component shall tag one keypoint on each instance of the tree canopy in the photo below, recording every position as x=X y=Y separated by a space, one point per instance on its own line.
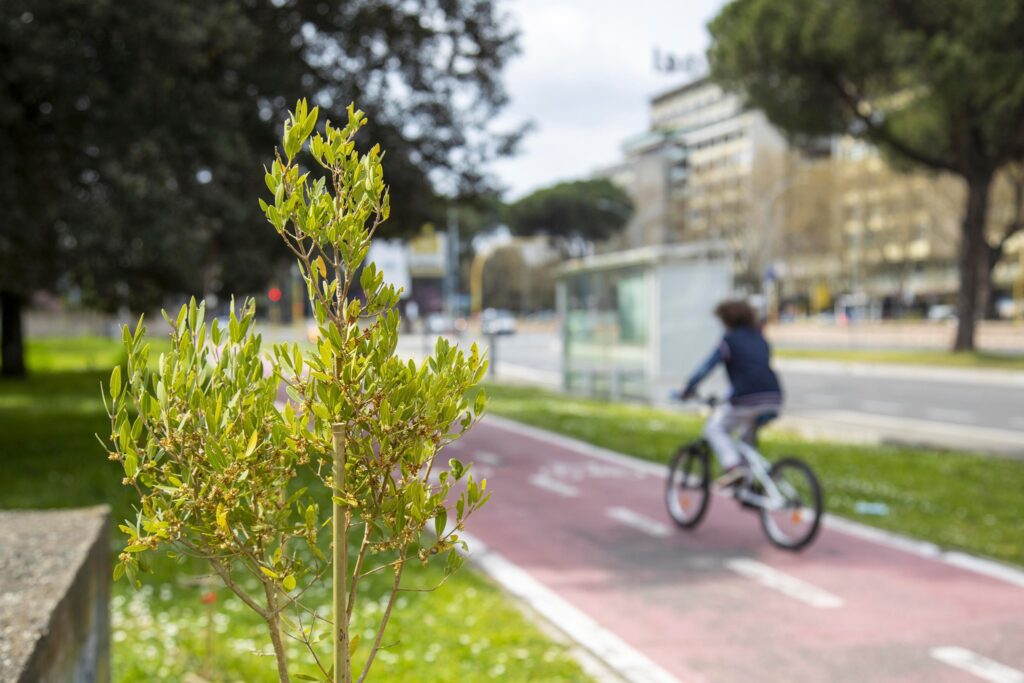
x=133 y=135
x=572 y=213
x=938 y=85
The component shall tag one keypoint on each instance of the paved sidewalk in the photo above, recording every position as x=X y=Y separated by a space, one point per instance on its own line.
x=991 y=335
x=582 y=535
x=896 y=371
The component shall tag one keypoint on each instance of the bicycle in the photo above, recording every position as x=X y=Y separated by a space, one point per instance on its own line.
x=786 y=493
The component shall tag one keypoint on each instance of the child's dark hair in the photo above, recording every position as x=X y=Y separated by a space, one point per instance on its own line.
x=736 y=313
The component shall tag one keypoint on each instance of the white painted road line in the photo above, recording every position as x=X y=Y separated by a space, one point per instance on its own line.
x=785 y=584
x=930 y=551
x=487 y=458
x=616 y=653
x=912 y=546
x=581 y=447
x=546 y=481
x=973 y=663
x=635 y=520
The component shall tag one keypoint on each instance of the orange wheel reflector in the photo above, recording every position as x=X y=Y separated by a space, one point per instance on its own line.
x=796 y=516
x=686 y=502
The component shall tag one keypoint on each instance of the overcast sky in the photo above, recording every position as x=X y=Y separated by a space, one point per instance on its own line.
x=584 y=77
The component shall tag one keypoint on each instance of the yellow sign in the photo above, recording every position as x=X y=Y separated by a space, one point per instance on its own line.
x=820 y=298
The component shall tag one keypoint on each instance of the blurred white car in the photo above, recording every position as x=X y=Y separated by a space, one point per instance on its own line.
x=942 y=312
x=493 y=321
x=438 y=323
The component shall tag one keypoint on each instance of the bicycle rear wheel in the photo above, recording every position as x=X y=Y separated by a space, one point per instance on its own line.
x=794 y=525
x=688 y=487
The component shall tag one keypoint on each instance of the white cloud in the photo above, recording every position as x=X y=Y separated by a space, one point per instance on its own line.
x=585 y=76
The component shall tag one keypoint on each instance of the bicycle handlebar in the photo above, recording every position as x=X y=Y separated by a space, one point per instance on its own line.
x=707 y=399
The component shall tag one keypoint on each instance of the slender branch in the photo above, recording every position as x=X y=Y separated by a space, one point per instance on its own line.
x=363 y=545
x=381 y=568
x=384 y=620
x=309 y=646
x=273 y=619
x=342 y=666
x=225 y=575
x=296 y=597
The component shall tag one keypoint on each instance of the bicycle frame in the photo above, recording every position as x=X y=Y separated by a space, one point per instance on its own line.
x=759 y=467
x=773 y=498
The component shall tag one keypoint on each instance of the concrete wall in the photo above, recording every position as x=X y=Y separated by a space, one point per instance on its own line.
x=55 y=595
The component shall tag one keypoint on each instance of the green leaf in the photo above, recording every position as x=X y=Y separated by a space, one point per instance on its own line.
x=253 y=442
x=115 y=381
x=480 y=402
x=288 y=582
x=457 y=468
x=131 y=464
x=307 y=677
x=440 y=521
x=454 y=562
x=216 y=456
x=137 y=426
x=269 y=572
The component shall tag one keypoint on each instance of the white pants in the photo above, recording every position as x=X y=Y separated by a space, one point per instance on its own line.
x=728 y=420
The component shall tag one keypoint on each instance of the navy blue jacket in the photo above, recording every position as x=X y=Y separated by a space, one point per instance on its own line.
x=747 y=359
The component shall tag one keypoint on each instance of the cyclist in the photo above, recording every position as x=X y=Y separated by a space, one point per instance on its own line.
x=756 y=396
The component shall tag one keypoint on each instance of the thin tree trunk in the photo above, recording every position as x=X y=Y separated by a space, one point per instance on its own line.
x=973 y=248
x=342 y=666
x=12 y=336
x=274 y=626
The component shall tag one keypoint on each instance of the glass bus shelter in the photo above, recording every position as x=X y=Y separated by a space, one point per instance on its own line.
x=635 y=323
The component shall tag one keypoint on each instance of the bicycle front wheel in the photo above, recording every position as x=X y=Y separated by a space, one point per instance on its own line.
x=794 y=524
x=688 y=488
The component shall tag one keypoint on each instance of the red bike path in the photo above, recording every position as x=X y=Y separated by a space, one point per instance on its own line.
x=586 y=533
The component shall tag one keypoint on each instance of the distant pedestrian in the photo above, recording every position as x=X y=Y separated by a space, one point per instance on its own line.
x=756 y=395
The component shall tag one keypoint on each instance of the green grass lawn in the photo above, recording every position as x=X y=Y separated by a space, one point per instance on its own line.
x=466 y=630
x=957 y=500
x=966 y=359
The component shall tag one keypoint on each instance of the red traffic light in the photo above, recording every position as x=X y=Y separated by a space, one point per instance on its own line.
x=274 y=294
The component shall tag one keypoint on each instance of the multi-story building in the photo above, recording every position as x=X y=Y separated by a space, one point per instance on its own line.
x=708 y=168
x=810 y=223
x=900 y=231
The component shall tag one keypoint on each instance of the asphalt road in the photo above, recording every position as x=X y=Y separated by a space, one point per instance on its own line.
x=581 y=535
x=951 y=408
x=991 y=402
